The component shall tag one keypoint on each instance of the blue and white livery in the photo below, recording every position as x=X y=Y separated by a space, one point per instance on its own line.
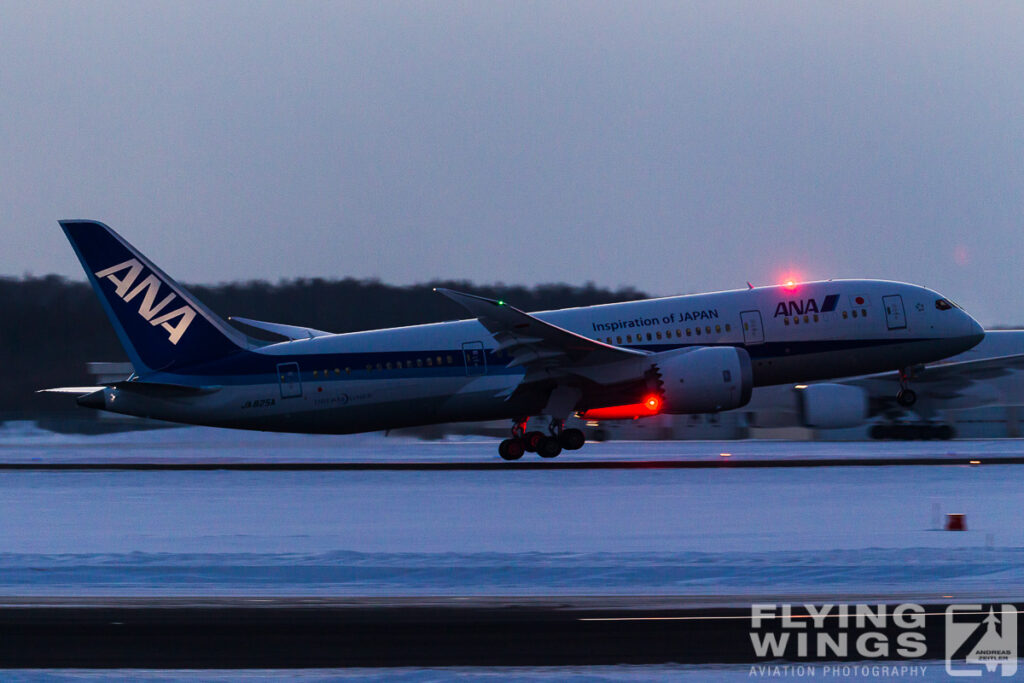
x=683 y=354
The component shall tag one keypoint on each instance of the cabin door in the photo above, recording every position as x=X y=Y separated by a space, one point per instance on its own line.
x=476 y=361
x=753 y=330
x=291 y=382
x=895 y=317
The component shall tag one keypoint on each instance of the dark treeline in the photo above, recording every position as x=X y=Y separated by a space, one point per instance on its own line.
x=52 y=327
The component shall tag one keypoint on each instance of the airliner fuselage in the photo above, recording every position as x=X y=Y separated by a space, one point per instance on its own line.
x=194 y=368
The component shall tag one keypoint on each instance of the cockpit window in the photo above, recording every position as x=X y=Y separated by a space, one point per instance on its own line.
x=943 y=304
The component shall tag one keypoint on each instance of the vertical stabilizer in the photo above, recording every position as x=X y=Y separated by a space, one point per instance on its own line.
x=161 y=326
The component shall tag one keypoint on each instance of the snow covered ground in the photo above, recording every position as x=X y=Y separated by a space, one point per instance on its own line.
x=819 y=531
x=25 y=442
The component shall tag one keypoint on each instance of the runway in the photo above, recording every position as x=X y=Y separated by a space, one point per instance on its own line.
x=288 y=633
x=255 y=550
x=488 y=466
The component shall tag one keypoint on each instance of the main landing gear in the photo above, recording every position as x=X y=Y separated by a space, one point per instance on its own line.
x=545 y=445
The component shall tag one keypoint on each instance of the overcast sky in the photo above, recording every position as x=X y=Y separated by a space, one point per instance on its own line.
x=674 y=147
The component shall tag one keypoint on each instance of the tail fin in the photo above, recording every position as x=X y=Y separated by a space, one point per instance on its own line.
x=160 y=325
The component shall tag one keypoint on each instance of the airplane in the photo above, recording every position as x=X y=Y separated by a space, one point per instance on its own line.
x=683 y=354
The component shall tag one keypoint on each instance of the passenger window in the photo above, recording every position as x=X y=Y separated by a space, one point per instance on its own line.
x=796 y=320
x=728 y=327
x=419 y=362
x=449 y=359
x=718 y=328
x=855 y=314
x=649 y=338
x=864 y=312
x=618 y=340
x=844 y=315
x=688 y=334
x=815 y=317
x=708 y=329
x=698 y=331
x=807 y=319
x=658 y=335
x=379 y=366
x=430 y=361
x=388 y=366
x=369 y=367
x=629 y=339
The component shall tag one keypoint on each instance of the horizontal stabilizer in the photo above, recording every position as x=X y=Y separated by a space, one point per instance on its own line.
x=154 y=389
x=291 y=331
x=74 y=391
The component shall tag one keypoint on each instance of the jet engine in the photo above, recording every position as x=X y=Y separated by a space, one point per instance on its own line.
x=705 y=380
x=832 y=406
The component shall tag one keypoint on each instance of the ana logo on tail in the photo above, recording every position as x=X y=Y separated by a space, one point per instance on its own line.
x=149 y=309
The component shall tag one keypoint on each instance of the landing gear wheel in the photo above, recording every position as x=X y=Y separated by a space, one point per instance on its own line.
x=906 y=397
x=571 y=439
x=531 y=441
x=511 y=449
x=549 y=447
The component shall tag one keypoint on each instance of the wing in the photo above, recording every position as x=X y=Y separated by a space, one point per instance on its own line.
x=546 y=351
x=947 y=380
x=949 y=386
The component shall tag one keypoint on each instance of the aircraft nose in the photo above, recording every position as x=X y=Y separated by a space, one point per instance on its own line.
x=975 y=332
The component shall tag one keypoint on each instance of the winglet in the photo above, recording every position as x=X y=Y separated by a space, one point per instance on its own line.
x=477 y=305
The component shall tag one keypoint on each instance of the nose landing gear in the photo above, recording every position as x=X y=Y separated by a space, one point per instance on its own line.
x=545 y=445
x=905 y=396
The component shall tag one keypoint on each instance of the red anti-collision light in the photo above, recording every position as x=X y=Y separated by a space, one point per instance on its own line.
x=651 y=405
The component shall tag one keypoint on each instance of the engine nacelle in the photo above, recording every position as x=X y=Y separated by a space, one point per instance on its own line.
x=832 y=406
x=705 y=380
